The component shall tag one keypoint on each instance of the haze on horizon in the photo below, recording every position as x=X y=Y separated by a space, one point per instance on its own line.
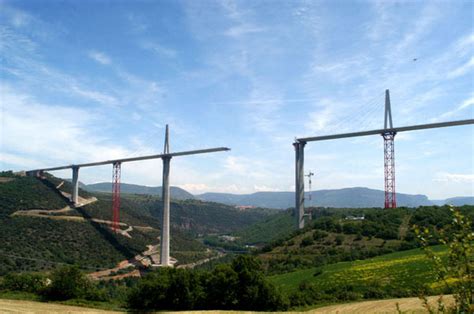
x=88 y=81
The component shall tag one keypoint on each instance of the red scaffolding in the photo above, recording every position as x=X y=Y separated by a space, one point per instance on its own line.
x=389 y=171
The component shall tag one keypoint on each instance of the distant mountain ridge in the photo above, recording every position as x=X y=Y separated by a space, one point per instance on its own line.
x=460 y=200
x=357 y=197
x=176 y=192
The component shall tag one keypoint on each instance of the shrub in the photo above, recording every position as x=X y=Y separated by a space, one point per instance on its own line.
x=305 y=295
x=70 y=283
x=306 y=241
x=168 y=288
x=25 y=282
x=319 y=234
x=339 y=239
x=239 y=286
x=253 y=291
x=459 y=265
x=221 y=288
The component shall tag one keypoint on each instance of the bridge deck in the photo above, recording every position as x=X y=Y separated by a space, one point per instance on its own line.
x=381 y=131
x=106 y=162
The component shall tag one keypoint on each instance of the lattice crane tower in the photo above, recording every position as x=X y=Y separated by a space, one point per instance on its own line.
x=389 y=155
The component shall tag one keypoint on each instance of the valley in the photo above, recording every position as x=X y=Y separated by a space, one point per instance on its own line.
x=342 y=254
x=67 y=234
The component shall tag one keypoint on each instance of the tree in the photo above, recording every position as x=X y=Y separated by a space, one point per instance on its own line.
x=222 y=288
x=254 y=292
x=68 y=283
x=27 y=282
x=238 y=286
x=456 y=271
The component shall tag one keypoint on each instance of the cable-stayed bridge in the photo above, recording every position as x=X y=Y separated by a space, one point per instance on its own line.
x=388 y=133
x=116 y=163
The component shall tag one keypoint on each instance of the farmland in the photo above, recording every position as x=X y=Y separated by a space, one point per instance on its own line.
x=397 y=274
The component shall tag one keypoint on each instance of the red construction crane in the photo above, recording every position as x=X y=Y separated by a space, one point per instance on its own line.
x=389 y=155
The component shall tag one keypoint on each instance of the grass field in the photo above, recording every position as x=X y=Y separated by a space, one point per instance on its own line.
x=397 y=271
x=410 y=305
x=406 y=305
x=21 y=306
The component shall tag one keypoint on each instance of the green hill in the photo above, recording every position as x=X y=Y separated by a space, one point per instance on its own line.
x=37 y=243
x=336 y=235
x=272 y=228
x=191 y=216
x=75 y=236
x=28 y=193
x=397 y=274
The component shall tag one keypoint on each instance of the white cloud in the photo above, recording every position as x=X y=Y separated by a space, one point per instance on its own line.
x=195 y=188
x=236 y=165
x=464 y=45
x=100 y=57
x=454 y=177
x=29 y=68
x=465 y=104
x=463 y=69
x=383 y=24
x=346 y=114
x=320 y=120
x=264 y=188
x=422 y=25
x=308 y=14
x=52 y=134
x=18 y=160
x=136 y=116
x=344 y=70
x=159 y=49
x=137 y=23
x=404 y=136
x=17 y=18
x=243 y=29
x=95 y=96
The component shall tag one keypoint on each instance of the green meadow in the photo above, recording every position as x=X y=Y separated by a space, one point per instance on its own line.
x=397 y=274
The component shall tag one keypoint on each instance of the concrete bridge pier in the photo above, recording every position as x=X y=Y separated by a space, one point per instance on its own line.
x=36 y=173
x=75 y=185
x=165 y=222
x=299 y=183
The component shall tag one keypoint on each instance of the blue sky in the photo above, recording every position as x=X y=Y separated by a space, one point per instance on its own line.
x=94 y=80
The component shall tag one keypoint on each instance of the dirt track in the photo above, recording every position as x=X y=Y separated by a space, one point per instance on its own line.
x=18 y=306
x=407 y=305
